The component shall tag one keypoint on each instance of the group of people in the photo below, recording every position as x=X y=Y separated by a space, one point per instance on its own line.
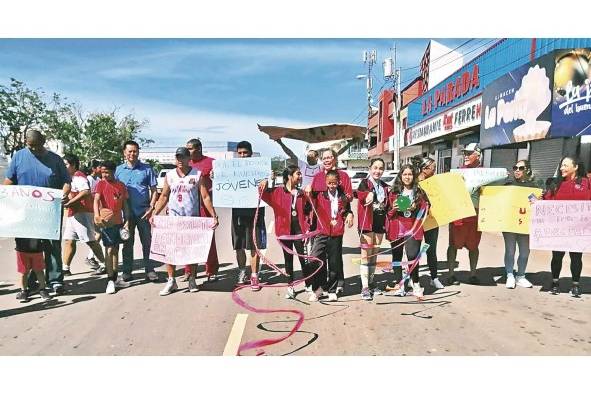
x=312 y=209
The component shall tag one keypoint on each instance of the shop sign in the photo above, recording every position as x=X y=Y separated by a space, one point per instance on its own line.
x=452 y=91
x=458 y=118
x=517 y=105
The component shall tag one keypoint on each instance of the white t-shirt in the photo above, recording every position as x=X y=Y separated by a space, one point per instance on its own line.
x=184 y=193
x=308 y=171
x=79 y=183
x=92 y=181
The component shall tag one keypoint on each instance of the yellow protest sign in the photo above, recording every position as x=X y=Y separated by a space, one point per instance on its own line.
x=506 y=208
x=449 y=199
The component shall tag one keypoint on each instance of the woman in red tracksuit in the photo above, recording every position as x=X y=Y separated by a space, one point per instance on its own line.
x=288 y=204
x=334 y=212
x=372 y=195
x=572 y=185
x=400 y=222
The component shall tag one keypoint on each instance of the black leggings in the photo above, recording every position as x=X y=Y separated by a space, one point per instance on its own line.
x=576 y=264
x=431 y=239
x=299 y=247
x=412 y=247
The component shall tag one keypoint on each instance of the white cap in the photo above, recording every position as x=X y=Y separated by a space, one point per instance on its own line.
x=472 y=147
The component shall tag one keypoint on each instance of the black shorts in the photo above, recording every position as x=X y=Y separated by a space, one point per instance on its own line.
x=242 y=232
x=111 y=236
x=378 y=225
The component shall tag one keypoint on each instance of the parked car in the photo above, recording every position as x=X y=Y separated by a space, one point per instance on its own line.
x=160 y=179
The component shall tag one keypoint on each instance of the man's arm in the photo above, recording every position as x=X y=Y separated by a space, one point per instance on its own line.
x=287 y=151
x=163 y=200
x=8 y=181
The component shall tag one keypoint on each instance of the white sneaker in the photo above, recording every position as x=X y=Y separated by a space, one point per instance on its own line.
x=193 y=286
x=340 y=290
x=315 y=296
x=417 y=290
x=510 y=284
x=332 y=297
x=169 y=287
x=400 y=292
x=120 y=283
x=110 y=287
x=242 y=277
x=437 y=284
x=309 y=289
x=522 y=282
x=290 y=293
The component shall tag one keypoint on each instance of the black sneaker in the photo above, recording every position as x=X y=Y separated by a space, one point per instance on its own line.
x=44 y=294
x=22 y=296
x=92 y=263
x=67 y=272
x=126 y=277
x=100 y=271
x=555 y=288
x=576 y=291
x=474 y=280
x=452 y=280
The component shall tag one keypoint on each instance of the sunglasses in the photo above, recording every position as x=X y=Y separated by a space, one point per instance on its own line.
x=520 y=168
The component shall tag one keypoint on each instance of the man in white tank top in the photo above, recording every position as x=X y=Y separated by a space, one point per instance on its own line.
x=182 y=188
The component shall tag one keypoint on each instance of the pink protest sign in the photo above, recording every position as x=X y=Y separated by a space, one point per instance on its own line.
x=561 y=225
x=181 y=240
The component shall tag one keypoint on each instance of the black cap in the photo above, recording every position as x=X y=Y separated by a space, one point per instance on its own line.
x=182 y=151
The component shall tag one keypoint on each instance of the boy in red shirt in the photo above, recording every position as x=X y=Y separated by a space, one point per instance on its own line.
x=111 y=198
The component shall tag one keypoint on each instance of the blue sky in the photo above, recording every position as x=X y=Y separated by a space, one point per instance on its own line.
x=216 y=89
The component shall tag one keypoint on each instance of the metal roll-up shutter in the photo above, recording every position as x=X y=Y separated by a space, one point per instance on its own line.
x=503 y=158
x=544 y=157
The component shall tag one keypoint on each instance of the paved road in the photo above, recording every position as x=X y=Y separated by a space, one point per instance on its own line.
x=460 y=320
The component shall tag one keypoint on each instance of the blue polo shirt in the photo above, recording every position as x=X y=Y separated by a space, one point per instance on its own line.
x=46 y=170
x=138 y=180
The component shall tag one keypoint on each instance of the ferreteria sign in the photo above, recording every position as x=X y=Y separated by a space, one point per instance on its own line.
x=459 y=118
x=452 y=91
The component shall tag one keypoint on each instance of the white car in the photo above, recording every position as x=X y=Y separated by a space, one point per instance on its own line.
x=160 y=179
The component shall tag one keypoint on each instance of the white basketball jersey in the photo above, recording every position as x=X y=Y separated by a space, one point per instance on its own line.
x=184 y=193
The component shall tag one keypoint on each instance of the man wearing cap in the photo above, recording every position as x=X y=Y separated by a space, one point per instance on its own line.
x=140 y=180
x=464 y=232
x=204 y=164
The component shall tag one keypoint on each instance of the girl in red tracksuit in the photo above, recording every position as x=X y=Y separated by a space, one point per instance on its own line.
x=572 y=184
x=334 y=212
x=372 y=206
x=288 y=204
x=400 y=222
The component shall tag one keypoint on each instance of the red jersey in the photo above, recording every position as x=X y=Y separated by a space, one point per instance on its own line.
x=365 y=213
x=205 y=165
x=397 y=224
x=571 y=190
x=281 y=200
x=319 y=183
x=79 y=184
x=326 y=224
x=112 y=195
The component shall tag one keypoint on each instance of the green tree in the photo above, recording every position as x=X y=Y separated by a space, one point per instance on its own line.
x=22 y=108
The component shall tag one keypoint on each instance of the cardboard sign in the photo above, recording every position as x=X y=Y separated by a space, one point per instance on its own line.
x=235 y=181
x=181 y=240
x=30 y=212
x=449 y=199
x=561 y=225
x=505 y=208
x=476 y=177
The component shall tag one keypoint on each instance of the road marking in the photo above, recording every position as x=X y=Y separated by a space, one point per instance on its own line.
x=235 y=336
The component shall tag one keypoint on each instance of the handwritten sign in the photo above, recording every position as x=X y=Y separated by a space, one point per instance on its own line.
x=30 y=212
x=561 y=225
x=505 y=208
x=181 y=240
x=235 y=182
x=449 y=199
x=476 y=177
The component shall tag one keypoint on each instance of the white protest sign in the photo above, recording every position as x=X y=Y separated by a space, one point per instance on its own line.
x=181 y=240
x=235 y=181
x=476 y=177
x=561 y=225
x=30 y=212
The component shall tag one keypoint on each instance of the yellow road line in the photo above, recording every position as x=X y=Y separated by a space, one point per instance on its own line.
x=235 y=336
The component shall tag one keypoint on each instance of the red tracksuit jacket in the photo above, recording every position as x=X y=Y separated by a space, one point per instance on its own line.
x=279 y=198
x=321 y=202
x=365 y=213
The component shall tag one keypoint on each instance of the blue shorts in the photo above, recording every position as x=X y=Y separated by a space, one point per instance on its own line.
x=111 y=236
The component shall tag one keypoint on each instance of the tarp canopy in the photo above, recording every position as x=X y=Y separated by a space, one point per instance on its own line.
x=313 y=134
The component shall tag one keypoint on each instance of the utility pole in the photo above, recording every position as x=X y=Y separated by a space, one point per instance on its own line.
x=369 y=59
x=392 y=74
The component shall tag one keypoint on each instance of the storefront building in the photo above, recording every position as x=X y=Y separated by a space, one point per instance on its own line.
x=449 y=115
